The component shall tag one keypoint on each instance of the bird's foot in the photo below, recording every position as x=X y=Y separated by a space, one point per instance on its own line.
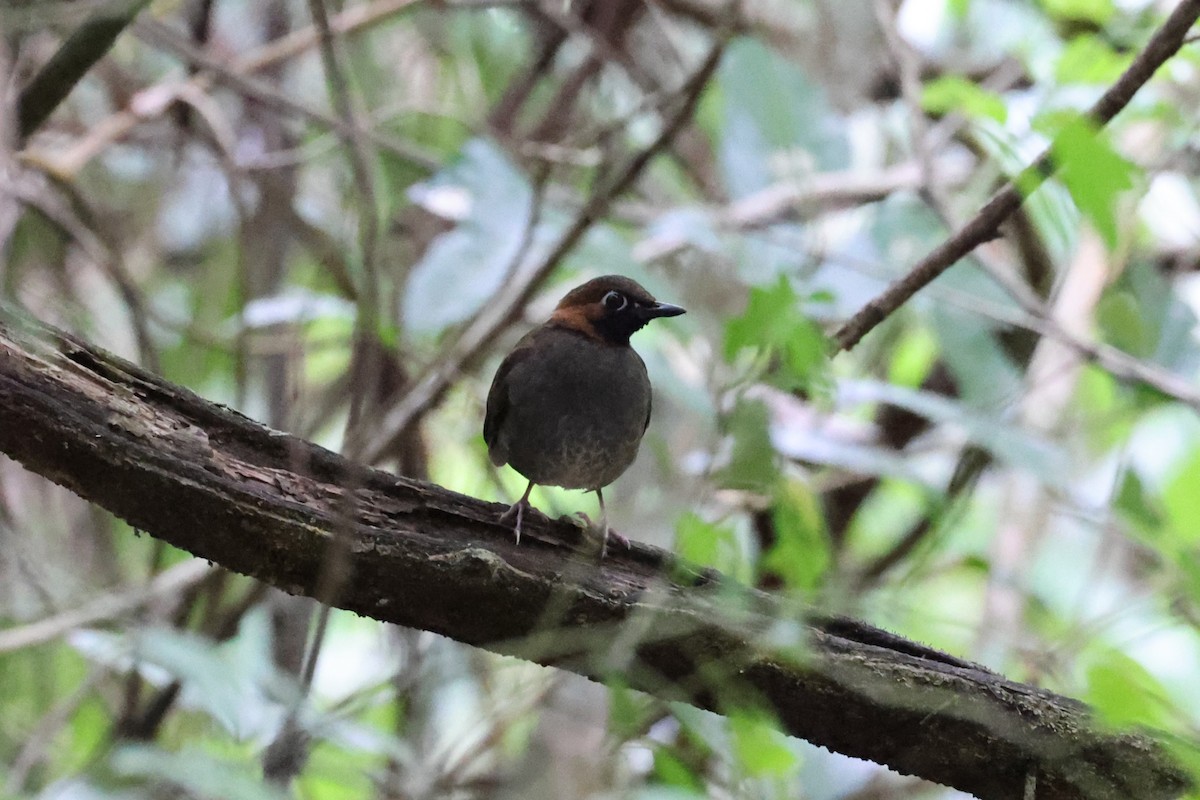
x=582 y=520
x=579 y=519
x=609 y=533
x=516 y=510
x=621 y=540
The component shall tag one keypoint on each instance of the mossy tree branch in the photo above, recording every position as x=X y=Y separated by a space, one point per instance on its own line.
x=266 y=504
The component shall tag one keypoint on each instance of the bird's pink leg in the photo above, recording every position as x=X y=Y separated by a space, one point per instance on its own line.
x=517 y=509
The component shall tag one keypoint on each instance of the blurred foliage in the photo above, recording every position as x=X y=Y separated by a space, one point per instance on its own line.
x=981 y=473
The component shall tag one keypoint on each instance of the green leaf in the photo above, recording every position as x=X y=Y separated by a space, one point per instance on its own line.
x=1186 y=753
x=462 y=269
x=772 y=113
x=951 y=93
x=912 y=358
x=628 y=711
x=1089 y=59
x=1042 y=456
x=760 y=748
x=1095 y=11
x=801 y=553
x=1120 y=316
x=198 y=772
x=1138 y=508
x=1093 y=172
x=752 y=463
x=672 y=771
x=1124 y=693
x=704 y=543
x=773 y=322
x=1181 y=501
x=981 y=368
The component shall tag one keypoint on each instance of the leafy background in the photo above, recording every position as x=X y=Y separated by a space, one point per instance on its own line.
x=1007 y=469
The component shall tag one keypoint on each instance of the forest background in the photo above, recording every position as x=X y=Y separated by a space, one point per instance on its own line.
x=337 y=218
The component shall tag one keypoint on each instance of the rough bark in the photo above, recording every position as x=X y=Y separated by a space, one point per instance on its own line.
x=227 y=489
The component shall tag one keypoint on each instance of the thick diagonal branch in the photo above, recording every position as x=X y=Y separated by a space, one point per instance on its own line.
x=225 y=488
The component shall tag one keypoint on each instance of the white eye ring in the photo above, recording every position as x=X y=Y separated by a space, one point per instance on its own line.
x=614 y=301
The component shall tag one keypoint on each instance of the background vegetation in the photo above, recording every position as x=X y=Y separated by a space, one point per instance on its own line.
x=337 y=219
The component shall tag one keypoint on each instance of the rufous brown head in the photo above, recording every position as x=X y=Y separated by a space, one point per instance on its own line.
x=610 y=309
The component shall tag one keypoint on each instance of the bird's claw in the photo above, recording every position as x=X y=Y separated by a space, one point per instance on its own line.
x=609 y=533
x=581 y=520
x=517 y=510
x=622 y=540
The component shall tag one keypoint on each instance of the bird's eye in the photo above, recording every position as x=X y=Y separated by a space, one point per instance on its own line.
x=614 y=301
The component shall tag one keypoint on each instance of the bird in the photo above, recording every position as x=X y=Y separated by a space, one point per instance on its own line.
x=569 y=405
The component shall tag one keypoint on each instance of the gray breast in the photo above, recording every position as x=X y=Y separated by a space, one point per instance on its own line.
x=577 y=412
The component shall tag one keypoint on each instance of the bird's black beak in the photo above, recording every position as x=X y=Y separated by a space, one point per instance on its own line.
x=662 y=310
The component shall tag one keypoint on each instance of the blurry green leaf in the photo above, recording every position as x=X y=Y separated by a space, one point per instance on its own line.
x=884 y=516
x=773 y=111
x=951 y=94
x=341 y=773
x=1104 y=407
x=1186 y=752
x=1089 y=59
x=801 y=553
x=1124 y=693
x=1121 y=318
x=223 y=680
x=1050 y=207
x=1181 y=501
x=628 y=711
x=669 y=769
x=958 y=8
x=752 y=463
x=760 y=748
x=1169 y=319
x=491 y=202
x=982 y=371
x=198 y=664
x=1004 y=440
x=1095 y=11
x=1133 y=503
x=1093 y=172
x=773 y=322
x=704 y=543
x=912 y=358
x=196 y=771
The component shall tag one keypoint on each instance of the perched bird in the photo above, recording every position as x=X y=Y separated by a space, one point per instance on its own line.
x=569 y=404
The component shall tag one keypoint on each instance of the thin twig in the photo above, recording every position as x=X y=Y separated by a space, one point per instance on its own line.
x=790 y=201
x=1032 y=315
x=908 y=69
x=364 y=359
x=159 y=35
x=106 y=607
x=75 y=218
x=355 y=19
x=286 y=756
x=983 y=226
x=86 y=45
